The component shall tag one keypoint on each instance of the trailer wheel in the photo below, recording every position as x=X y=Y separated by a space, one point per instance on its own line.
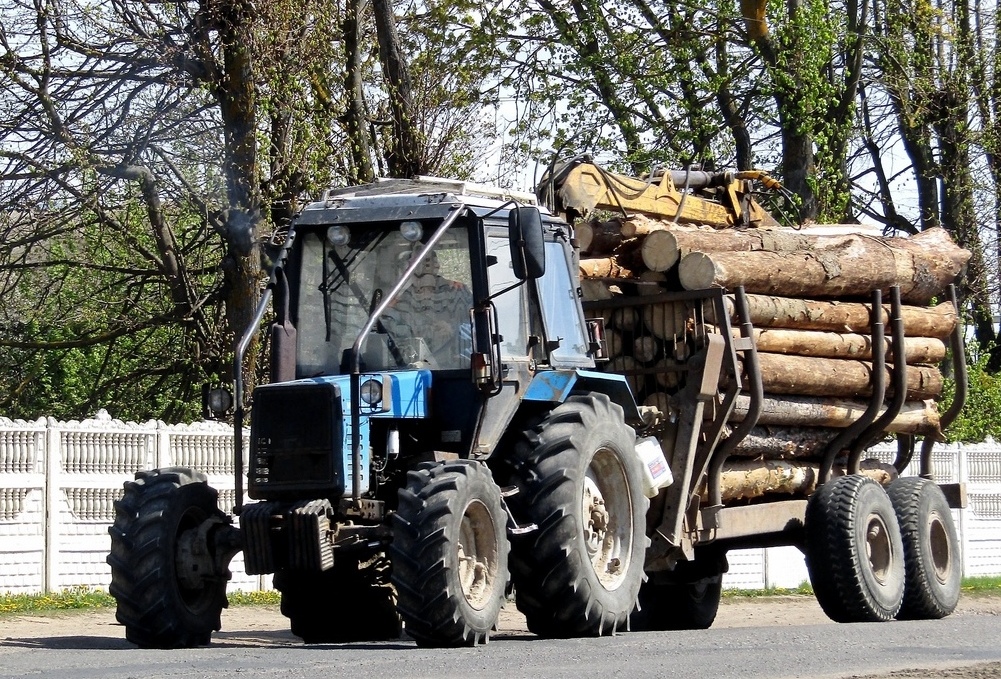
x=931 y=557
x=669 y=604
x=157 y=605
x=580 y=481
x=353 y=601
x=450 y=553
x=854 y=552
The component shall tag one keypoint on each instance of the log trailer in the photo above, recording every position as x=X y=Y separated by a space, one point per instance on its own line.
x=409 y=472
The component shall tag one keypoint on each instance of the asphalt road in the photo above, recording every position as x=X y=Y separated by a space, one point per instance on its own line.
x=94 y=647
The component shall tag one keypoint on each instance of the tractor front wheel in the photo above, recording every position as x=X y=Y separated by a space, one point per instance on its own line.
x=161 y=602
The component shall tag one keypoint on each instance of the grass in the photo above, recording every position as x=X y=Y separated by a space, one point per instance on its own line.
x=84 y=598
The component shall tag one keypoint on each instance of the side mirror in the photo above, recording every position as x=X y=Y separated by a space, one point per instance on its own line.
x=528 y=252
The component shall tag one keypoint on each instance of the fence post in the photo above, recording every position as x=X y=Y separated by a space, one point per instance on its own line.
x=963 y=476
x=53 y=463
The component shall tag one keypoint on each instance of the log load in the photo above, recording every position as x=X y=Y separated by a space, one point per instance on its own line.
x=808 y=302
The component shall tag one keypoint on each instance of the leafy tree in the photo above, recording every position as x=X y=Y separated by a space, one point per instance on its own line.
x=150 y=150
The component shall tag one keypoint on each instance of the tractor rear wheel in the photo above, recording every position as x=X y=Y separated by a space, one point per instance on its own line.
x=160 y=605
x=450 y=554
x=580 y=482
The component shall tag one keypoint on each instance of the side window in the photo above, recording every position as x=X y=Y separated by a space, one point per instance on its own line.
x=511 y=308
x=561 y=310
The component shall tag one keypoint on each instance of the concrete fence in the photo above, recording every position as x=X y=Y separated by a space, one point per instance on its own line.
x=59 y=481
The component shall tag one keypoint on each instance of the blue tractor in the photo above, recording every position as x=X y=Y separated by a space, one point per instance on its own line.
x=434 y=432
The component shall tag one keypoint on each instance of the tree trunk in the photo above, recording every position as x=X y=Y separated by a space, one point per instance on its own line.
x=783 y=312
x=916 y=417
x=839 y=377
x=404 y=156
x=923 y=266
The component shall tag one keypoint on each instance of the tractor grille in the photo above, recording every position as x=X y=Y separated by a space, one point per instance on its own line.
x=296 y=442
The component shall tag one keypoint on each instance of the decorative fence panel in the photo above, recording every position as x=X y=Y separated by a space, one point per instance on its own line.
x=72 y=472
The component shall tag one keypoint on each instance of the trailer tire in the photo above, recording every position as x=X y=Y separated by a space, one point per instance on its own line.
x=668 y=605
x=156 y=607
x=353 y=601
x=580 y=482
x=450 y=554
x=931 y=556
x=854 y=552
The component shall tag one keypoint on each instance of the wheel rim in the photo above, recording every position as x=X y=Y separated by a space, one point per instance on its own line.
x=478 y=555
x=606 y=511
x=878 y=548
x=941 y=554
x=195 y=599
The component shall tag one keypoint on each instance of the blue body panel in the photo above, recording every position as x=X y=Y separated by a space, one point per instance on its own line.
x=554 y=386
x=405 y=396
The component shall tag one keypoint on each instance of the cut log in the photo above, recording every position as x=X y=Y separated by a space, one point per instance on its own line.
x=854 y=267
x=651 y=283
x=781 y=374
x=842 y=345
x=626 y=318
x=915 y=417
x=665 y=320
x=596 y=237
x=640 y=225
x=745 y=480
x=781 y=443
x=646 y=349
x=604 y=267
x=803 y=314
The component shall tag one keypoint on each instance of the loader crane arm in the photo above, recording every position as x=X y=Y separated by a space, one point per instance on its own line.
x=718 y=199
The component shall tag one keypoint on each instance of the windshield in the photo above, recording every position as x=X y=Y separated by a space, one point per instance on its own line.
x=427 y=326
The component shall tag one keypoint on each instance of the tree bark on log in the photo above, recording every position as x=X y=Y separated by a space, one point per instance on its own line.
x=803 y=314
x=746 y=480
x=604 y=267
x=781 y=442
x=923 y=266
x=928 y=350
x=915 y=417
x=782 y=374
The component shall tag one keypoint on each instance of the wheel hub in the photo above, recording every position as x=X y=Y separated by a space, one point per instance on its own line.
x=477 y=556
x=878 y=548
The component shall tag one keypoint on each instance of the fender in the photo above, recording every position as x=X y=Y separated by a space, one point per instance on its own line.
x=554 y=386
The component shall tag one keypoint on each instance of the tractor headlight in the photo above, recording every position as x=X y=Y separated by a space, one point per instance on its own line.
x=411 y=231
x=338 y=235
x=370 y=392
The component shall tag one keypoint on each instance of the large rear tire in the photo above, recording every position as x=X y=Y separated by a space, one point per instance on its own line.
x=158 y=607
x=450 y=554
x=580 y=481
x=854 y=552
x=353 y=601
x=931 y=549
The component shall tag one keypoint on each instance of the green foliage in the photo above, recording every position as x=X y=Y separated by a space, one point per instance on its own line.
x=980 y=417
